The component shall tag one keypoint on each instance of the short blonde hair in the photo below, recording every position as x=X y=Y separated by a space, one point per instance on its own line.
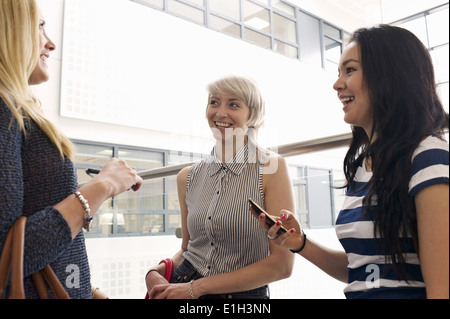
x=245 y=89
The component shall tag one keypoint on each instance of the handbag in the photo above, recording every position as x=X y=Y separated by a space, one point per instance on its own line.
x=167 y=274
x=11 y=263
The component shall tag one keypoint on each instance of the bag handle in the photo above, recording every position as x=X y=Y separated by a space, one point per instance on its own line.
x=17 y=288
x=5 y=260
x=12 y=260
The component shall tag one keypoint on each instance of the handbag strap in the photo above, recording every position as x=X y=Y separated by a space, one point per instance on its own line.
x=17 y=288
x=5 y=260
x=54 y=283
x=12 y=261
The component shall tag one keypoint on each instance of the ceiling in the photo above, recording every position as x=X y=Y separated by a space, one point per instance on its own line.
x=353 y=14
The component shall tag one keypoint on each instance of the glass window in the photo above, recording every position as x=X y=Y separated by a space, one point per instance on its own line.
x=82 y=176
x=338 y=178
x=151 y=194
x=301 y=204
x=225 y=26
x=186 y=11
x=310 y=45
x=284 y=28
x=299 y=186
x=200 y=3
x=141 y=159
x=152 y=210
x=173 y=221
x=172 y=193
x=257 y=38
x=229 y=8
x=438 y=25
x=92 y=155
x=333 y=46
x=331 y=32
x=347 y=37
x=443 y=92
x=256 y=16
x=440 y=62
x=285 y=8
x=134 y=212
x=332 y=54
x=171 y=181
x=141 y=223
x=159 y=4
x=265 y=2
x=418 y=27
x=319 y=198
x=179 y=157
x=285 y=49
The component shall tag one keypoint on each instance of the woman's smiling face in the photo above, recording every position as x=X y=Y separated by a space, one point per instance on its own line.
x=227 y=115
x=352 y=90
x=40 y=73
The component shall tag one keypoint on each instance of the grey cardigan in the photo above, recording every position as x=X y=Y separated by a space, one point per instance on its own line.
x=33 y=178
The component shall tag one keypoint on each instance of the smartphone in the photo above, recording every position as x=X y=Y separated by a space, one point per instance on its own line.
x=269 y=219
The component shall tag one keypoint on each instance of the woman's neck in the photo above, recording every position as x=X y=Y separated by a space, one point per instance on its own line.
x=226 y=150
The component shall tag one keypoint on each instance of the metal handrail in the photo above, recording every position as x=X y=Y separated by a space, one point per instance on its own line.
x=315 y=145
x=286 y=150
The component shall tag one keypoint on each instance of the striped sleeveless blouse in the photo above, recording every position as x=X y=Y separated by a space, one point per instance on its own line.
x=224 y=236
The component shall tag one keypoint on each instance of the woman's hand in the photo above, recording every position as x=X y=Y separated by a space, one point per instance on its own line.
x=292 y=239
x=119 y=177
x=154 y=278
x=170 y=291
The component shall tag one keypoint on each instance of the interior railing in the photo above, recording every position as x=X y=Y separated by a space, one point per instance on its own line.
x=286 y=150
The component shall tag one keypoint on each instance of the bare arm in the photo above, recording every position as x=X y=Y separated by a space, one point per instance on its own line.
x=157 y=277
x=432 y=207
x=115 y=177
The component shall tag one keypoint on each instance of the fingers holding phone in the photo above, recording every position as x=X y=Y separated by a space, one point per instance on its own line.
x=284 y=230
x=291 y=239
x=269 y=220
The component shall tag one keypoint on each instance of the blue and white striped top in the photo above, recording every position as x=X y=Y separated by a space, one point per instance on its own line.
x=224 y=236
x=367 y=278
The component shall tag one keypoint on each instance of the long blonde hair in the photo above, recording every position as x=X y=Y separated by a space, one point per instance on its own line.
x=19 y=53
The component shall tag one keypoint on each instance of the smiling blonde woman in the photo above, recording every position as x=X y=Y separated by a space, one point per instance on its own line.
x=37 y=177
x=224 y=253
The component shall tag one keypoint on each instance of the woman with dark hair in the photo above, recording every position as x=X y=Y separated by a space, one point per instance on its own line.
x=394 y=224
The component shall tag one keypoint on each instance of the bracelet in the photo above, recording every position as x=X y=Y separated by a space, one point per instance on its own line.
x=87 y=211
x=303 y=245
x=190 y=289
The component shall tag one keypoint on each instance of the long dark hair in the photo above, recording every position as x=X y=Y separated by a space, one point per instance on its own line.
x=399 y=74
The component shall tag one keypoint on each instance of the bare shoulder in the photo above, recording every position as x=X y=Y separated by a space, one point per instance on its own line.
x=275 y=165
x=183 y=175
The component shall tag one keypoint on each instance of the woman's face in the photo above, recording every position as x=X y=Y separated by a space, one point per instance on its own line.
x=352 y=90
x=227 y=116
x=40 y=73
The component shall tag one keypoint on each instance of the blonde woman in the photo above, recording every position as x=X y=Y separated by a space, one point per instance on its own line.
x=224 y=253
x=37 y=176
